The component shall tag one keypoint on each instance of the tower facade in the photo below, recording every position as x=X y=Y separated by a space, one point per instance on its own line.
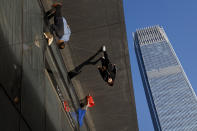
x=170 y=96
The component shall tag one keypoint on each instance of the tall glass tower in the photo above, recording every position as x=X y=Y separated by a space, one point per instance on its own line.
x=171 y=99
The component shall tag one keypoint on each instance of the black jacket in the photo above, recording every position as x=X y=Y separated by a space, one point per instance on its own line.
x=110 y=72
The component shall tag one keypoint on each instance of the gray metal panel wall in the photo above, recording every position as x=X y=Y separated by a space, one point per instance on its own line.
x=94 y=23
x=22 y=71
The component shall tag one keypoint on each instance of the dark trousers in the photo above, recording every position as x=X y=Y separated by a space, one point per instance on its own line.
x=58 y=25
x=105 y=61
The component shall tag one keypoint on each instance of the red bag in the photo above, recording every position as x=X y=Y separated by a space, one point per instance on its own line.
x=90 y=101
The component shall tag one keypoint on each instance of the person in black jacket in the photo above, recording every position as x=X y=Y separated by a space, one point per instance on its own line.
x=108 y=70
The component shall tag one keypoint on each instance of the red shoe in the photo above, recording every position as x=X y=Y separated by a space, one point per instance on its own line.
x=56 y=4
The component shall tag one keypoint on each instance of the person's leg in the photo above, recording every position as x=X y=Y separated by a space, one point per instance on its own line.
x=56 y=29
x=106 y=55
x=105 y=60
x=58 y=26
x=103 y=48
x=55 y=11
x=58 y=11
x=49 y=14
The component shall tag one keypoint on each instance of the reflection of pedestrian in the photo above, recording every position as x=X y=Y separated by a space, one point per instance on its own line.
x=81 y=114
x=60 y=26
x=66 y=106
x=85 y=103
x=108 y=70
x=86 y=100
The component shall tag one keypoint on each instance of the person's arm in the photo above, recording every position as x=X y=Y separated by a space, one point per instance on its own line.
x=113 y=75
x=114 y=69
x=87 y=105
x=104 y=73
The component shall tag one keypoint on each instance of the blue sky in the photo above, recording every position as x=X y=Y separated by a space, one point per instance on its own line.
x=179 y=20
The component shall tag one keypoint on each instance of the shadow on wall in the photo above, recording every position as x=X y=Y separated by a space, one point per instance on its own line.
x=77 y=70
x=23 y=103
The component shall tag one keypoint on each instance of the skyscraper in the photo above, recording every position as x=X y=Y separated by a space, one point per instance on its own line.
x=171 y=99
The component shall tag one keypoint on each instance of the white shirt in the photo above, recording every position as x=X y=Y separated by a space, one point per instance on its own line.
x=67 y=31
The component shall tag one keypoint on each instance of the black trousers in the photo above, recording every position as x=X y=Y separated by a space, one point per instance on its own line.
x=105 y=61
x=58 y=25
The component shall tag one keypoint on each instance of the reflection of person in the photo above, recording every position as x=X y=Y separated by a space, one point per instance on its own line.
x=81 y=114
x=88 y=100
x=60 y=26
x=108 y=70
x=85 y=103
x=66 y=106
